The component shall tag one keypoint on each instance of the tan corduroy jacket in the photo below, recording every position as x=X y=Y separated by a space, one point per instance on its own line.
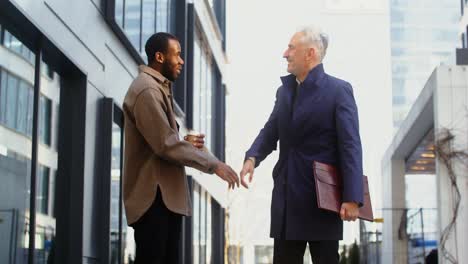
x=154 y=154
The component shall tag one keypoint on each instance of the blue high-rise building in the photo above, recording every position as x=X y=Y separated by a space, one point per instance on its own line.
x=423 y=35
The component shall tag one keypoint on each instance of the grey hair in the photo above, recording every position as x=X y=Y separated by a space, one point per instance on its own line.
x=314 y=36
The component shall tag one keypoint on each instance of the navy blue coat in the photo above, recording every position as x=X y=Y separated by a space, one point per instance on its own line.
x=323 y=127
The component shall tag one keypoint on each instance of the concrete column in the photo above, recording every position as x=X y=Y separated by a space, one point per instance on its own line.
x=394 y=250
x=451 y=112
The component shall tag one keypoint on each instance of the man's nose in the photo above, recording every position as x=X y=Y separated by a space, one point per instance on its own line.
x=285 y=54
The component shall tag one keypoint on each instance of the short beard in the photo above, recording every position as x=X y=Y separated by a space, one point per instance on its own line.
x=166 y=72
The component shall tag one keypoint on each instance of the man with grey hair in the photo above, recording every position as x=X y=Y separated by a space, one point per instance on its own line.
x=314 y=119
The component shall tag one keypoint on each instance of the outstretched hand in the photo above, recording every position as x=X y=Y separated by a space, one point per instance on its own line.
x=248 y=168
x=226 y=173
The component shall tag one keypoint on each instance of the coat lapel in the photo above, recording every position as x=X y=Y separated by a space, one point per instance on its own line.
x=307 y=95
x=289 y=83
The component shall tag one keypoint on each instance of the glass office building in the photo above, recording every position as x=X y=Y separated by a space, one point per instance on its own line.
x=64 y=70
x=423 y=36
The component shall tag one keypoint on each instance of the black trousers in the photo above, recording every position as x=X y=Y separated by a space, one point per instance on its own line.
x=157 y=235
x=292 y=251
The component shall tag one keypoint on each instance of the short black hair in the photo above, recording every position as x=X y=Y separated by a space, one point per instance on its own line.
x=158 y=42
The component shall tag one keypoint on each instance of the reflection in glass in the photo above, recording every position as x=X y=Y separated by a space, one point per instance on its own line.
x=42 y=190
x=48 y=134
x=208 y=228
x=148 y=23
x=196 y=225
x=162 y=15
x=30 y=112
x=3 y=98
x=13 y=44
x=139 y=19
x=119 y=10
x=22 y=107
x=203 y=92
x=115 y=195
x=202 y=97
x=209 y=106
x=16 y=106
x=196 y=84
x=44 y=120
x=12 y=99
x=120 y=236
x=203 y=227
x=132 y=22
x=15 y=150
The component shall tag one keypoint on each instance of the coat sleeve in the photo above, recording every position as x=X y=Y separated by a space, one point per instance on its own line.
x=152 y=122
x=267 y=139
x=349 y=145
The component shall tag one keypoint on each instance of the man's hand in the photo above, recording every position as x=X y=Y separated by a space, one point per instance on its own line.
x=196 y=140
x=226 y=173
x=349 y=211
x=248 y=168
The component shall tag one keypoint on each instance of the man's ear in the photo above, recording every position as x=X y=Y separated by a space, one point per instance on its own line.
x=159 y=57
x=311 y=53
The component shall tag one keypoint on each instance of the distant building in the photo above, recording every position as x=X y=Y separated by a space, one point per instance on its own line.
x=423 y=35
x=441 y=106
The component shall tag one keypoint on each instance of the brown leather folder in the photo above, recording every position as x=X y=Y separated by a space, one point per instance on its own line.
x=328 y=189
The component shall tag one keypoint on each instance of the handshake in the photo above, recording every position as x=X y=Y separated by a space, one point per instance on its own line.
x=223 y=170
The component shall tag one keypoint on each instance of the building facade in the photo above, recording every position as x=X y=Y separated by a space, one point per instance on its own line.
x=433 y=132
x=423 y=35
x=424 y=145
x=65 y=67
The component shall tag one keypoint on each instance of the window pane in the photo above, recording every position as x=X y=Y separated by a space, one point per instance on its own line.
x=48 y=160
x=44 y=120
x=209 y=103
x=208 y=229
x=15 y=155
x=203 y=90
x=115 y=195
x=132 y=22
x=119 y=9
x=196 y=86
x=12 y=100
x=41 y=118
x=42 y=190
x=12 y=43
x=30 y=112
x=3 y=96
x=149 y=21
x=196 y=225
x=162 y=15
x=203 y=227
x=47 y=70
x=23 y=99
